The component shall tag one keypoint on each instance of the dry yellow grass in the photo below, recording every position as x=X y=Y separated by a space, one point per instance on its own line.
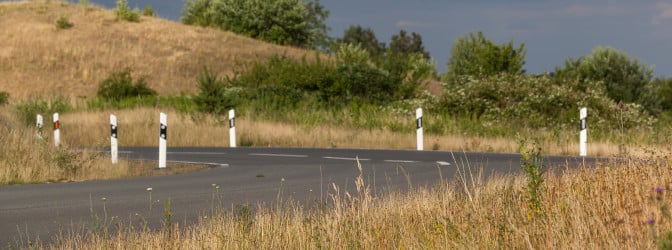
x=139 y=127
x=615 y=206
x=24 y=158
x=38 y=59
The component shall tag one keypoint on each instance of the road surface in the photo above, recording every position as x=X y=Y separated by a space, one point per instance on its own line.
x=244 y=176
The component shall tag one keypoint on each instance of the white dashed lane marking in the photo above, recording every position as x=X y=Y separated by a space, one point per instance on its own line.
x=202 y=163
x=279 y=155
x=400 y=161
x=196 y=153
x=443 y=163
x=345 y=158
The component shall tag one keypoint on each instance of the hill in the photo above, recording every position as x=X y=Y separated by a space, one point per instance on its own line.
x=37 y=58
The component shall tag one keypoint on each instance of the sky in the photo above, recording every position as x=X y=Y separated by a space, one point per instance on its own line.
x=552 y=30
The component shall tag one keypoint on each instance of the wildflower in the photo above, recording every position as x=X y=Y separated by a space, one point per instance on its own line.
x=282 y=180
x=103 y=199
x=149 y=189
x=660 y=190
x=650 y=221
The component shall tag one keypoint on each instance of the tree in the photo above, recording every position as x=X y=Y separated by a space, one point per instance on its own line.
x=285 y=22
x=625 y=79
x=406 y=45
x=198 y=12
x=479 y=57
x=364 y=38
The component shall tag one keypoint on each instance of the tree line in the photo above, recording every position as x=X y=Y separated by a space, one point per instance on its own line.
x=405 y=64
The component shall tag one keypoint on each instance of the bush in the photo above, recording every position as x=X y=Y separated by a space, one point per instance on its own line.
x=4 y=98
x=28 y=110
x=215 y=96
x=63 y=23
x=119 y=85
x=536 y=102
x=361 y=83
x=123 y=12
x=477 y=56
x=148 y=11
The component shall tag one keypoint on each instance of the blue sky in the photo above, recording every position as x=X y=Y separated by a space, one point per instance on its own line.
x=552 y=30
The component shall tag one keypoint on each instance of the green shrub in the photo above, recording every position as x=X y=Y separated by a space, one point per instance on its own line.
x=28 y=110
x=536 y=102
x=276 y=97
x=182 y=103
x=125 y=13
x=215 y=95
x=63 y=23
x=361 y=83
x=119 y=85
x=148 y=11
x=4 y=98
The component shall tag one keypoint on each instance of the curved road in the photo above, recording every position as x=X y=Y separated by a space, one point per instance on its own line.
x=244 y=175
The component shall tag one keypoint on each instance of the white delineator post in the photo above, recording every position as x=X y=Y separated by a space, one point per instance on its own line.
x=583 y=137
x=114 y=145
x=40 y=124
x=418 y=126
x=162 y=140
x=57 y=130
x=232 y=128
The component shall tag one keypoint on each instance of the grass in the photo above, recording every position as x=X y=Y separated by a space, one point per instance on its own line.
x=40 y=59
x=139 y=127
x=616 y=205
x=25 y=158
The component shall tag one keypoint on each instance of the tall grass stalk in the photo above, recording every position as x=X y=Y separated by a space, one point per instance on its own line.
x=609 y=206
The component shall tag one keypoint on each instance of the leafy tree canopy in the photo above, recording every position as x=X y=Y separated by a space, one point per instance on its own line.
x=479 y=57
x=625 y=79
x=286 y=22
x=402 y=43
x=364 y=38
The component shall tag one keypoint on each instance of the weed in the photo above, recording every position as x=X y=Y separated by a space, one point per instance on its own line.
x=244 y=216
x=167 y=219
x=63 y=23
x=532 y=164
x=4 y=98
x=28 y=110
x=68 y=162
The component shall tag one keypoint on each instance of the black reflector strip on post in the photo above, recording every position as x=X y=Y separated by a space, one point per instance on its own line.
x=164 y=128
x=583 y=124
x=418 y=123
x=113 y=130
x=232 y=122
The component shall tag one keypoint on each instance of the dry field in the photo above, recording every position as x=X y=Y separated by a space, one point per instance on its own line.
x=37 y=58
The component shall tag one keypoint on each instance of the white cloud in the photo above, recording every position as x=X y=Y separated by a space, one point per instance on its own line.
x=664 y=13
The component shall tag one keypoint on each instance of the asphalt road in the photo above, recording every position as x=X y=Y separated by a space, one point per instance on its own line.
x=244 y=176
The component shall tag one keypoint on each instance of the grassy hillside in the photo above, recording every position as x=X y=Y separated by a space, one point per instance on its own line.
x=37 y=58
